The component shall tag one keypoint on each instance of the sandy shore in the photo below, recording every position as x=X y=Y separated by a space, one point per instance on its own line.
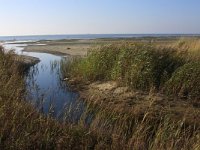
x=80 y=47
x=63 y=47
x=75 y=47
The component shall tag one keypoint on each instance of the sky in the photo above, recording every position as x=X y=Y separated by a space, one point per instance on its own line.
x=45 y=17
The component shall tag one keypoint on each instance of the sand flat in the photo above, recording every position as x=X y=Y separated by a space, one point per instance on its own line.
x=80 y=47
x=64 y=47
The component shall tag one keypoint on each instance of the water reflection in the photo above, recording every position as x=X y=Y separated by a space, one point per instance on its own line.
x=44 y=83
x=46 y=89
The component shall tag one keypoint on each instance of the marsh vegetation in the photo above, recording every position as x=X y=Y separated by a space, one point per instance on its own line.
x=137 y=95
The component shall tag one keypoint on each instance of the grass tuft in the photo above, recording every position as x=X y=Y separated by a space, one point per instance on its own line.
x=185 y=81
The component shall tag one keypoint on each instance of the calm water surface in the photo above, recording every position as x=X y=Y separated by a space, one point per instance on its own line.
x=45 y=88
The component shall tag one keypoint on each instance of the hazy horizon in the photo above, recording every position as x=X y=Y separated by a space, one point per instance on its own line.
x=149 y=34
x=49 y=17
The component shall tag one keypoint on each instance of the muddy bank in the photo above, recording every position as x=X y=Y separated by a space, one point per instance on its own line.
x=26 y=60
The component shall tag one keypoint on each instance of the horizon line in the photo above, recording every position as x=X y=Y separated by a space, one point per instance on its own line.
x=102 y=34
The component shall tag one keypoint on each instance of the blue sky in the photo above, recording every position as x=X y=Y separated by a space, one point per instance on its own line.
x=33 y=17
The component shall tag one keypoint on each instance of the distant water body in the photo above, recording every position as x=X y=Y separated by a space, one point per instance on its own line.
x=87 y=36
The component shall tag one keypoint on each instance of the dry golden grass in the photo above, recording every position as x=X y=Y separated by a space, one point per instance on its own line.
x=138 y=120
x=188 y=46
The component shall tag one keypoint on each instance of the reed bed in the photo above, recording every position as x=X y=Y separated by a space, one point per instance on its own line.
x=113 y=123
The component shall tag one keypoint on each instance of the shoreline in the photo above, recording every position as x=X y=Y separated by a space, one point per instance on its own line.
x=80 y=47
x=74 y=47
x=56 y=53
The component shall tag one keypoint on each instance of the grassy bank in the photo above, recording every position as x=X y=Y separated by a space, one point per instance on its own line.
x=167 y=77
x=137 y=121
x=139 y=65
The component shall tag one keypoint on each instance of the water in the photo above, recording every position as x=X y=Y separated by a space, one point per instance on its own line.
x=45 y=87
x=86 y=36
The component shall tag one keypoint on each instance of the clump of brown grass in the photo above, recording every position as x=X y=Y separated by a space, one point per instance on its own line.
x=150 y=129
